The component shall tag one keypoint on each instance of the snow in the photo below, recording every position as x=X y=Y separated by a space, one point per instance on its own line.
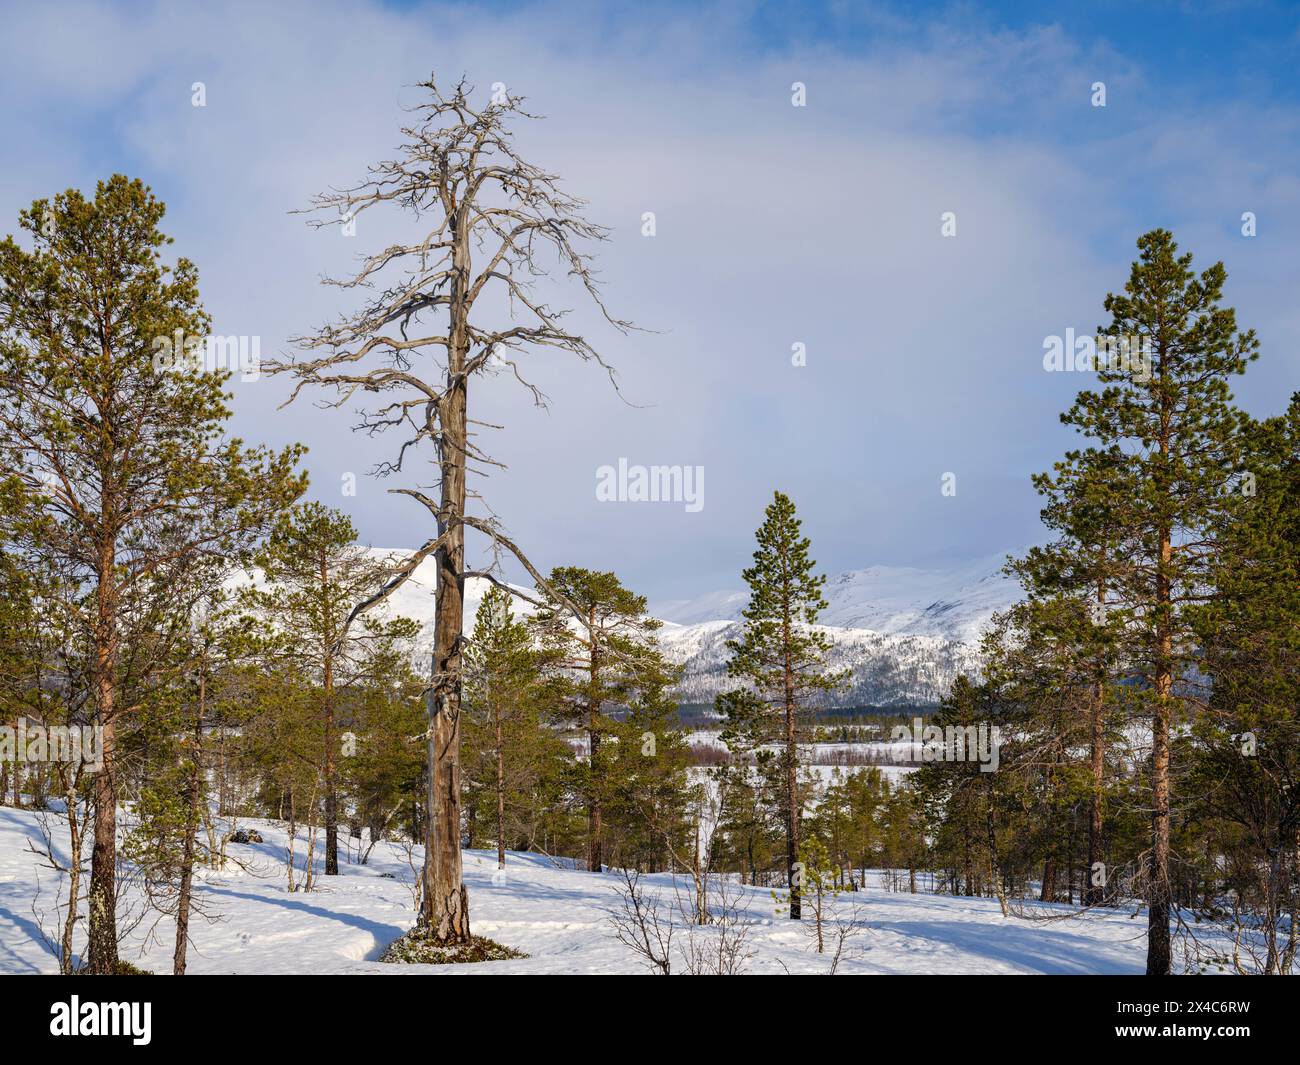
x=885 y=668
x=903 y=633
x=558 y=916
x=949 y=604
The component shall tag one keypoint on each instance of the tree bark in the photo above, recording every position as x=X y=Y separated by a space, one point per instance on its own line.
x=446 y=907
x=501 y=796
x=191 y=833
x=1095 y=893
x=595 y=856
x=331 y=791
x=1159 y=953
x=791 y=783
x=102 y=946
x=1048 y=892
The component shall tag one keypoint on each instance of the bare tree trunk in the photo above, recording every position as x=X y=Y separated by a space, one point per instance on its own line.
x=446 y=904
x=501 y=796
x=595 y=858
x=194 y=787
x=1094 y=892
x=995 y=869
x=792 y=808
x=1159 y=953
x=1048 y=892
x=223 y=787
x=102 y=947
x=74 y=869
x=331 y=790
x=293 y=840
x=595 y=855
x=1159 y=959
x=792 y=818
x=309 y=873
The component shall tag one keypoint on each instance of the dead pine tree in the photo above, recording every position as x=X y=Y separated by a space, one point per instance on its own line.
x=487 y=224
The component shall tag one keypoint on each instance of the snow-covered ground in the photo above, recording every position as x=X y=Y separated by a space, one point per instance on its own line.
x=558 y=916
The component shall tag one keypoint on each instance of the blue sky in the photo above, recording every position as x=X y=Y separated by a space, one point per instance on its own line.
x=775 y=225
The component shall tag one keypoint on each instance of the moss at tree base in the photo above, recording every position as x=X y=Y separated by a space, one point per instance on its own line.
x=417 y=948
x=124 y=968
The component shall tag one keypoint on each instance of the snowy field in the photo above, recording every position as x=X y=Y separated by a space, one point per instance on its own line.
x=559 y=917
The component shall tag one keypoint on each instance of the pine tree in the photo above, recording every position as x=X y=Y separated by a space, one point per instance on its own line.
x=959 y=792
x=1247 y=755
x=749 y=830
x=382 y=768
x=907 y=830
x=1071 y=584
x=781 y=655
x=507 y=742
x=604 y=661
x=315 y=574
x=821 y=879
x=17 y=615
x=848 y=818
x=1166 y=408
x=122 y=450
x=654 y=813
x=167 y=745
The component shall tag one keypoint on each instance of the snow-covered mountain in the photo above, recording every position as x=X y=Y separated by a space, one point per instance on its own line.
x=904 y=633
x=885 y=668
x=951 y=604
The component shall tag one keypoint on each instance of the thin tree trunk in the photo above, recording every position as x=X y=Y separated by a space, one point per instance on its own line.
x=1096 y=892
x=74 y=869
x=1159 y=953
x=293 y=841
x=595 y=857
x=102 y=947
x=191 y=834
x=1159 y=959
x=995 y=869
x=791 y=783
x=223 y=786
x=331 y=791
x=501 y=796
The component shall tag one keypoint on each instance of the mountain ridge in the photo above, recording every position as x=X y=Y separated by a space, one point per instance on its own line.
x=904 y=633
